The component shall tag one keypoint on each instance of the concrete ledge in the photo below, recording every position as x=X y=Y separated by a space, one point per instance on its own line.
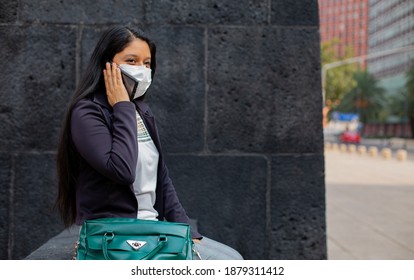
x=60 y=247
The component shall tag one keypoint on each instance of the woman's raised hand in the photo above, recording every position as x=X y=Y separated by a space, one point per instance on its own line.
x=115 y=89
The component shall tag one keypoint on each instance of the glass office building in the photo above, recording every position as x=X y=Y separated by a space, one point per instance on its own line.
x=390 y=35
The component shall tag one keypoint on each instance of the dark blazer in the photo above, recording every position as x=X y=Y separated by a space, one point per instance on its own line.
x=106 y=139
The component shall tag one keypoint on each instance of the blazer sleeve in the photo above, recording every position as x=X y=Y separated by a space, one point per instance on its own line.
x=113 y=152
x=174 y=211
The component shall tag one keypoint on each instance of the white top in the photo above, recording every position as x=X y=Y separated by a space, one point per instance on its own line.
x=146 y=173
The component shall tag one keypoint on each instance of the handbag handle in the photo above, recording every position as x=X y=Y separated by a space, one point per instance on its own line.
x=162 y=240
x=108 y=236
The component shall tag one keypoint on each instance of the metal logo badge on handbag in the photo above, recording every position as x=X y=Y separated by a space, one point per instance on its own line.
x=135 y=244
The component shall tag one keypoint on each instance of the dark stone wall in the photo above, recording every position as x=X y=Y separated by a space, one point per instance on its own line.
x=237 y=96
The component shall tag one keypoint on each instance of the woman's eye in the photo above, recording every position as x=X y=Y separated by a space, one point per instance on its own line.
x=131 y=61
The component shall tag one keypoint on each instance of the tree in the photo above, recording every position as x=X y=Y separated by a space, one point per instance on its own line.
x=339 y=80
x=366 y=98
x=409 y=86
x=397 y=108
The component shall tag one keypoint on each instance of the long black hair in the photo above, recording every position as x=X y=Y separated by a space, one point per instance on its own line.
x=111 y=42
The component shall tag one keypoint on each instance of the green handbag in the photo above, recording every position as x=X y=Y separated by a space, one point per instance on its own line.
x=134 y=239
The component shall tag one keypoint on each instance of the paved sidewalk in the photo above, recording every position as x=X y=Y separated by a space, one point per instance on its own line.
x=370 y=207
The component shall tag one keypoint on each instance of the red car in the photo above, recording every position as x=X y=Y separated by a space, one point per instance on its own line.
x=350 y=137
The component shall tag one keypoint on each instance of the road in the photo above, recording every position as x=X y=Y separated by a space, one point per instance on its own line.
x=370 y=207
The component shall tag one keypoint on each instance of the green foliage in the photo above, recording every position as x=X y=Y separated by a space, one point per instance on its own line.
x=409 y=87
x=365 y=98
x=339 y=80
x=397 y=106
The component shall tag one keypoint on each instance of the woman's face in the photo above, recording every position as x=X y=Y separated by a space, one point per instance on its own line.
x=136 y=53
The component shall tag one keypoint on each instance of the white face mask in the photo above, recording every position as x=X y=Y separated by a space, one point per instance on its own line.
x=139 y=74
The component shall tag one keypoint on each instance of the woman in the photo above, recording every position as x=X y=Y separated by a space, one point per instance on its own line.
x=110 y=162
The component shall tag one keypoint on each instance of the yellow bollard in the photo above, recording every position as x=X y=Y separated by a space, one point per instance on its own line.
x=335 y=147
x=401 y=155
x=362 y=150
x=351 y=148
x=373 y=151
x=342 y=147
x=386 y=153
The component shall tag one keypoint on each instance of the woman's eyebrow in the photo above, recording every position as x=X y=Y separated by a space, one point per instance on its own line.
x=130 y=54
x=135 y=56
